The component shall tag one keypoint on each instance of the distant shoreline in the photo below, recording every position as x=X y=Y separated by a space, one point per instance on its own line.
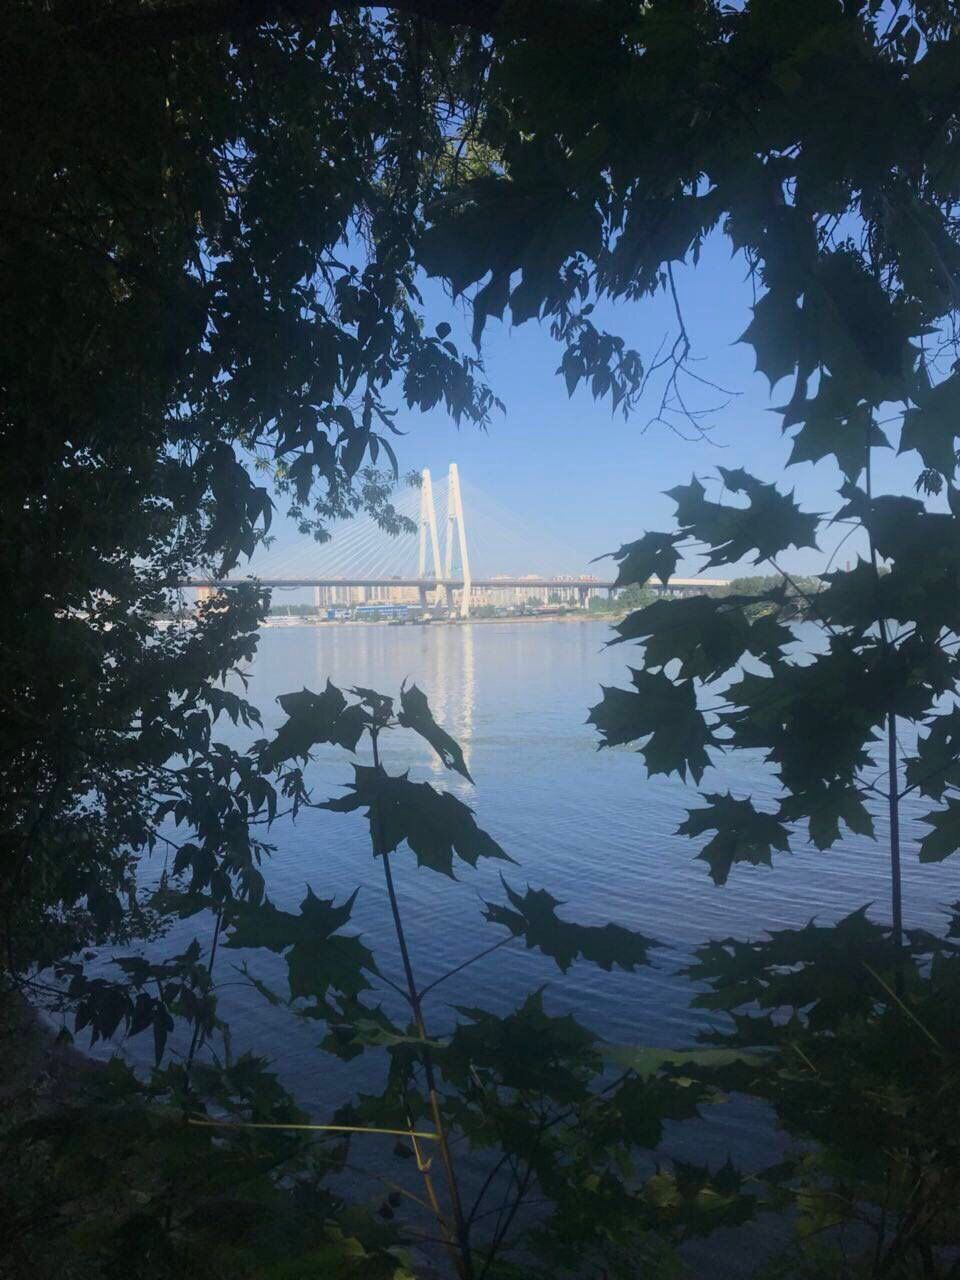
x=281 y=624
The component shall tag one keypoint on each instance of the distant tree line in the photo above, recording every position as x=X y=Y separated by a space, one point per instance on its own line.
x=634 y=596
x=789 y=598
x=294 y=611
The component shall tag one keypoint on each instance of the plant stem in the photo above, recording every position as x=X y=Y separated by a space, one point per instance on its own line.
x=464 y=1262
x=896 y=887
x=445 y=1156
x=893 y=797
x=423 y=1167
x=195 y=1041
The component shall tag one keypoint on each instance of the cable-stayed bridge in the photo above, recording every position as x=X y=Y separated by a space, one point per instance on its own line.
x=362 y=563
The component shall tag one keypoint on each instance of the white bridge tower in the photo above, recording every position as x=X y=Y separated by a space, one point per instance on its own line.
x=428 y=527
x=455 y=516
x=428 y=531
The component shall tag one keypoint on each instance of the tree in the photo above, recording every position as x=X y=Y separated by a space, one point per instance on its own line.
x=601 y=604
x=293 y=611
x=635 y=596
x=798 y=591
x=191 y=118
x=190 y=310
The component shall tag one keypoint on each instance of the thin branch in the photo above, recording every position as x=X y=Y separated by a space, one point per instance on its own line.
x=677 y=360
x=460 y=967
x=204 y=1123
x=488 y=1180
x=811 y=600
x=393 y=1186
x=395 y=986
x=500 y=1235
x=925 y=777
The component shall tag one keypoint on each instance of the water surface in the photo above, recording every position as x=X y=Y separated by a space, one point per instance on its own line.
x=586 y=824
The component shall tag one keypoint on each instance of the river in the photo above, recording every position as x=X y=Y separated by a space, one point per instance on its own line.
x=586 y=824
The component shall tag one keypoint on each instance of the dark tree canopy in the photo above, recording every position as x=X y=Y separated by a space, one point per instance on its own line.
x=206 y=267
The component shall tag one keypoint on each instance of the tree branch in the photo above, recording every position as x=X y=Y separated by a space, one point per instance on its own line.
x=460 y=967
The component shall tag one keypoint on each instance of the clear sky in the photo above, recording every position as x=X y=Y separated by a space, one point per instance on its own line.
x=569 y=473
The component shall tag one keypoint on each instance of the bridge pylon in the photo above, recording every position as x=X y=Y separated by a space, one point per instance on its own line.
x=428 y=528
x=455 y=516
x=429 y=539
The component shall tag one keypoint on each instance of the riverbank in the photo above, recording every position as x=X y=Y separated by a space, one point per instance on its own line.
x=526 y=618
x=35 y=1065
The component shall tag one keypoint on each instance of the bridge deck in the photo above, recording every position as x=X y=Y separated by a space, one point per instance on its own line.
x=487 y=584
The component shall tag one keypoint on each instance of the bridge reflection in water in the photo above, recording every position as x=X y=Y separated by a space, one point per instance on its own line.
x=440 y=659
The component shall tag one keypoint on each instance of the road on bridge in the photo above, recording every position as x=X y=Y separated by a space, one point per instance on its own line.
x=705 y=585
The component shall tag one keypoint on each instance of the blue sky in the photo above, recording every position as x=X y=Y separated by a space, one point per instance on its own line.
x=574 y=476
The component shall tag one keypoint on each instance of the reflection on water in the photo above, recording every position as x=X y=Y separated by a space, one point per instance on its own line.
x=467 y=695
x=438 y=658
x=450 y=688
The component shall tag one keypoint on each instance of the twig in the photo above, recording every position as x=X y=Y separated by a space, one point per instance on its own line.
x=320 y=1128
x=904 y=1008
x=473 y=959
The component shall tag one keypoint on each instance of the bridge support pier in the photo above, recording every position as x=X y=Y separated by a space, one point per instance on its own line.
x=422 y=593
